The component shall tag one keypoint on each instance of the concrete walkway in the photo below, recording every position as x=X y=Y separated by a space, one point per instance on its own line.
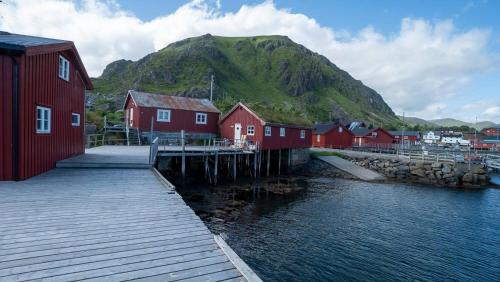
x=351 y=168
x=360 y=154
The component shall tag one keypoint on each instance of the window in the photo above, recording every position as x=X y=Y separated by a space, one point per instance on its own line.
x=163 y=116
x=267 y=131
x=318 y=138
x=251 y=130
x=75 y=119
x=43 y=119
x=282 y=131
x=374 y=134
x=63 y=68
x=341 y=129
x=302 y=134
x=201 y=118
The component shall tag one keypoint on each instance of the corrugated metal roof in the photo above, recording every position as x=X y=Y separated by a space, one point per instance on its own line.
x=321 y=128
x=151 y=100
x=361 y=131
x=20 y=42
x=406 y=133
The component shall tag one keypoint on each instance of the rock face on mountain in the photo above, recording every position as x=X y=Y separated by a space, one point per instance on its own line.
x=269 y=72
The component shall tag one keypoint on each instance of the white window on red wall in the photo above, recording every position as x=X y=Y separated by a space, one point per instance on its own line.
x=282 y=132
x=75 y=119
x=267 y=131
x=163 y=115
x=302 y=134
x=43 y=120
x=318 y=137
x=63 y=68
x=201 y=118
x=251 y=130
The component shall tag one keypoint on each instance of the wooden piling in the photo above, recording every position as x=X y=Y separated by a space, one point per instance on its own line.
x=183 y=165
x=234 y=167
x=215 y=167
x=279 y=162
x=255 y=165
x=289 y=160
x=260 y=162
x=268 y=161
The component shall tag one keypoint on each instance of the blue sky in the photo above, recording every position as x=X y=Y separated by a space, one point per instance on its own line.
x=385 y=17
x=431 y=59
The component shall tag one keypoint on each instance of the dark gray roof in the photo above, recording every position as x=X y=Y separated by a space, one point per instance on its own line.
x=144 y=99
x=406 y=133
x=14 y=41
x=321 y=128
x=360 y=131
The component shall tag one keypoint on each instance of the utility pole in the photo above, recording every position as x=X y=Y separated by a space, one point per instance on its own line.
x=403 y=131
x=475 y=135
x=211 y=87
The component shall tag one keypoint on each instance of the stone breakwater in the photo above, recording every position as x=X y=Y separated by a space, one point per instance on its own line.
x=441 y=174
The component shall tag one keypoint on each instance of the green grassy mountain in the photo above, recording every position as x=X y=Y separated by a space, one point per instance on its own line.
x=446 y=122
x=272 y=74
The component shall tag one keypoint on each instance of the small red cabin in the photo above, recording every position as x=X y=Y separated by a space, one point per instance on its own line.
x=331 y=135
x=170 y=114
x=378 y=137
x=42 y=104
x=409 y=137
x=241 y=123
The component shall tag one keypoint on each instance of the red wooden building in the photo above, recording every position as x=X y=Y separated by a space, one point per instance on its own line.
x=241 y=123
x=42 y=94
x=377 y=137
x=332 y=135
x=491 y=131
x=170 y=114
x=408 y=137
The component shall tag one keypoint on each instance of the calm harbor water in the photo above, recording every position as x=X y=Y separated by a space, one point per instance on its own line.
x=350 y=230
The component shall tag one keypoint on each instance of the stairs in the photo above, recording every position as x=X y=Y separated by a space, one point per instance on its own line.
x=133 y=137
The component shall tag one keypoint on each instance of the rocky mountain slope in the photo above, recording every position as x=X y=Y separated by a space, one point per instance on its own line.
x=271 y=74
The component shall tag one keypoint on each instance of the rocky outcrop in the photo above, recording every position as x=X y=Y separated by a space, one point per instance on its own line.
x=441 y=174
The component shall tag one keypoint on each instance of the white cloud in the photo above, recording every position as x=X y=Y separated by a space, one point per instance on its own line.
x=414 y=69
x=492 y=113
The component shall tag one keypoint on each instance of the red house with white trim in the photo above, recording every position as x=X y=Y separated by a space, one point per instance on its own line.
x=170 y=114
x=241 y=123
x=42 y=104
x=377 y=137
x=332 y=135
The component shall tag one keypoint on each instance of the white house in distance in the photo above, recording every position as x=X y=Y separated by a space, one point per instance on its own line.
x=454 y=138
x=432 y=137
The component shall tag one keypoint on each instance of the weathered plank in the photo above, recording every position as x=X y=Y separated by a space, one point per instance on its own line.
x=106 y=225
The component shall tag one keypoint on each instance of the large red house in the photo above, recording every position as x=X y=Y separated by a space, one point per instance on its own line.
x=170 y=114
x=332 y=135
x=241 y=123
x=377 y=137
x=42 y=94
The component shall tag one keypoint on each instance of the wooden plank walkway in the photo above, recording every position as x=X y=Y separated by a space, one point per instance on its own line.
x=110 y=156
x=104 y=225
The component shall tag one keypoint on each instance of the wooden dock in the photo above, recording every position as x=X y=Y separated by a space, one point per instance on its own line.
x=106 y=224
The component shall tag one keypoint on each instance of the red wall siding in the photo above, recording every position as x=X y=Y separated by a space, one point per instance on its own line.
x=5 y=118
x=338 y=140
x=40 y=85
x=179 y=120
x=291 y=140
x=292 y=135
x=318 y=143
x=382 y=138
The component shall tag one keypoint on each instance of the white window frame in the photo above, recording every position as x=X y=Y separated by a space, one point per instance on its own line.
x=318 y=138
x=302 y=134
x=267 y=131
x=46 y=116
x=204 y=120
x=282 y=132
x=250 y=130
x=75 y=123
x=160 y=115
x=64 y=68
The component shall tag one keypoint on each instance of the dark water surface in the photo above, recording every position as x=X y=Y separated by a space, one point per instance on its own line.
x=351 y=230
